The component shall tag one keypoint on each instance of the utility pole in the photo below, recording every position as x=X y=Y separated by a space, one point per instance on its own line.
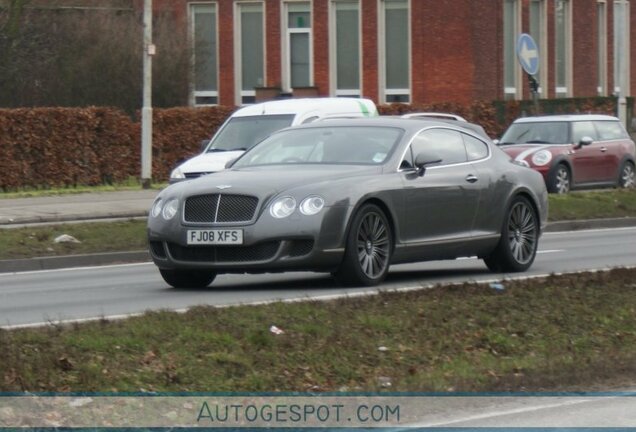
x=620 y=11
x=146 y=110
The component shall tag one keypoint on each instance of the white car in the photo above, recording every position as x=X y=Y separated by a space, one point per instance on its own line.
x=251 y=124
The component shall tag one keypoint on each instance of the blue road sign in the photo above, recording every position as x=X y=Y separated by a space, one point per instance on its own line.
x=528 y=53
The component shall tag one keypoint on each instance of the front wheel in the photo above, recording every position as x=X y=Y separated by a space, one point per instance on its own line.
x=626 y=179
x=368 y=248
x=519 y=240
x=188 y=278
x=559 y=180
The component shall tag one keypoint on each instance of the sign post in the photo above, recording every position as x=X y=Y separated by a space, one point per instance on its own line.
x=528 y=56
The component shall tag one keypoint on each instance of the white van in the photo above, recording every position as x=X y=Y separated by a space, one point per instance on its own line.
x=249 y=125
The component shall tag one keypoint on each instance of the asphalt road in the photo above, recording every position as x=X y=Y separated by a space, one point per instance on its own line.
x=119 y=290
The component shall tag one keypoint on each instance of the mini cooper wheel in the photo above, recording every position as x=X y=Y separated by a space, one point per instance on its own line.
x=368 y=248
x=187 y=278
x=626 y=178
x=559 y=180
x=519 y=240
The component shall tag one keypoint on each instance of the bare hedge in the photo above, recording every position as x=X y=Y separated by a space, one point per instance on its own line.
x=56 y=147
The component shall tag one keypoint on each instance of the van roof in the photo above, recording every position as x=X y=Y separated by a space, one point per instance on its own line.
x=295 y=106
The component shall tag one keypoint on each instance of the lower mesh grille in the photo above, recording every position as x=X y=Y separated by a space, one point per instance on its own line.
x=157 y=249
x=225 y=254
x=301 y=247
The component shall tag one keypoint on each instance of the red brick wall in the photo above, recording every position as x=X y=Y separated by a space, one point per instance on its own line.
x=320 y=33
x=272 y=43
x=369 y=12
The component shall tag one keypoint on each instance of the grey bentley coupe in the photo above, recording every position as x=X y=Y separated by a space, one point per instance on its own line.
x=351 y=197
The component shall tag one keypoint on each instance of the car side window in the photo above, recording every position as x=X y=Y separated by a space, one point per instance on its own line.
x=446 y=144
x=582 y=129
x=475 y=148
x=610 y=130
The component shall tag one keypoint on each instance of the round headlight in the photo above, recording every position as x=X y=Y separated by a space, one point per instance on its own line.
x=177 y=174
x=156 y=208
x=542 y=157
x=311 y=205
x=170 y=209
x=282 y=207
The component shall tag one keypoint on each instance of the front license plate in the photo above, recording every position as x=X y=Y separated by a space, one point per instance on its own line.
x=215 y=237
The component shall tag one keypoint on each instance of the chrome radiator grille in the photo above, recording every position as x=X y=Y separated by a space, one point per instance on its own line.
x=220 y=208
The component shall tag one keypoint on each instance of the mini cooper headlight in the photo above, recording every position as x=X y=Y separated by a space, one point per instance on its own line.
x=170 y=209
x=542 y=157
x=311 y=205
x=156 y=208
x=282 y=207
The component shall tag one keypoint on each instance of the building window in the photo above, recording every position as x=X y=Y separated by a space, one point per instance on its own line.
x=563 y=48
x=511 y=26
x=345 y=47
x=395 y=50
x=249 y=40
x=621 y=47
x=601 y=55
x=203 y=28
x=298 y=46
x=538 y=31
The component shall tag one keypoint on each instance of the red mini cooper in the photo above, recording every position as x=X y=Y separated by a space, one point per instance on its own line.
x=573 y=151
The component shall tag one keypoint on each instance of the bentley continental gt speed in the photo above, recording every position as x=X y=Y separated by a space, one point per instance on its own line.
x=351 y=197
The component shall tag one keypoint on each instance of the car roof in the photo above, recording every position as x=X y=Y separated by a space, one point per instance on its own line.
x=566 y=117
x=410 y=124
x=304 y=105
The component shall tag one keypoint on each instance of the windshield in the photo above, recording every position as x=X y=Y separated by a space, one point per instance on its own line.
x=537 y=133
x=325 y=145
x=241 y=133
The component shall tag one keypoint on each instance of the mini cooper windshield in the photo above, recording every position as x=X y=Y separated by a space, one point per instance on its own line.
x=333 y=145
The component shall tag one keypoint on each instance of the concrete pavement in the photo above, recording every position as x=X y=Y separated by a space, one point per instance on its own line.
x=101 y=206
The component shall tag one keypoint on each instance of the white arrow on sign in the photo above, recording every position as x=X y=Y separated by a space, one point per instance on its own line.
x=527 y=55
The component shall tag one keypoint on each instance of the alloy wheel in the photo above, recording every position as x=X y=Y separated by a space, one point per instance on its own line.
x=522 y=232
x=373 y=245
x=562 y=180
x=627 y=176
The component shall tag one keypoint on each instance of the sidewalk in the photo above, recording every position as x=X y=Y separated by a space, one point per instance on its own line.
x=101 y=206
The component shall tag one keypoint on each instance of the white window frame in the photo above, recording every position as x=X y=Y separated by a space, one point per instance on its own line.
x=194 y=94
x=624 y=60
x=286 y=43
x=238 y=67
x=543 y=47
x=567 y=64
x=601 y=54
x=515 y=91
x=383 y=91
x=333 y=51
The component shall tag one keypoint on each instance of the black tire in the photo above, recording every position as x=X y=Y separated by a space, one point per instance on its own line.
x=626 y=177
x=368 y=249
x=517 y=247
x=188 y=278
x=560 y=180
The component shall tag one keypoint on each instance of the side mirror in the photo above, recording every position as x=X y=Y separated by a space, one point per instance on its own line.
x=204 y=143
x=425 y=159
x=585 y=141
x=229 y=163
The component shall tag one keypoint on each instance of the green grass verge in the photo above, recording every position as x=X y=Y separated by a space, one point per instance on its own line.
x=130 y=185
x=573 y=332
x=98 y=237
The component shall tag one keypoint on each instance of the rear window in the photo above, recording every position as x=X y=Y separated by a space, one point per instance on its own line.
x=241 y=133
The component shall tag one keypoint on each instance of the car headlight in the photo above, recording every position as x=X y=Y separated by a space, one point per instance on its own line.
x=170 y=209
x=311 y=205
x=282 y=207
x=177 y=174
x=156 y=208
x=542 y=157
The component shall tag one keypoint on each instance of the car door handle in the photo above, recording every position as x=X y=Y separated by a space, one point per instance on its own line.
x=471 y=178
x=603 y=149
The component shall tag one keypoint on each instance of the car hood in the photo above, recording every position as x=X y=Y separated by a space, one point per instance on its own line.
x=522 y=151
x=209 y=162
x=269 y=180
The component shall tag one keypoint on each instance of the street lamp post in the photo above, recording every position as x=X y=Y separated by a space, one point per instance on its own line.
x=146 y=110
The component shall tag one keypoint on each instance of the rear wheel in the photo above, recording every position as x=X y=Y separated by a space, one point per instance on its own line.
x=368 y=249
x=559 y=180
x=519 y=240
x=188 y=278
x=626 y=178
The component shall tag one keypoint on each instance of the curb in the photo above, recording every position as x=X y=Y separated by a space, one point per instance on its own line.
x=97 y=259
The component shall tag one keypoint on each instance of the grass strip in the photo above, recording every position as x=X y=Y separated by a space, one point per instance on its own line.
x=572 y=332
